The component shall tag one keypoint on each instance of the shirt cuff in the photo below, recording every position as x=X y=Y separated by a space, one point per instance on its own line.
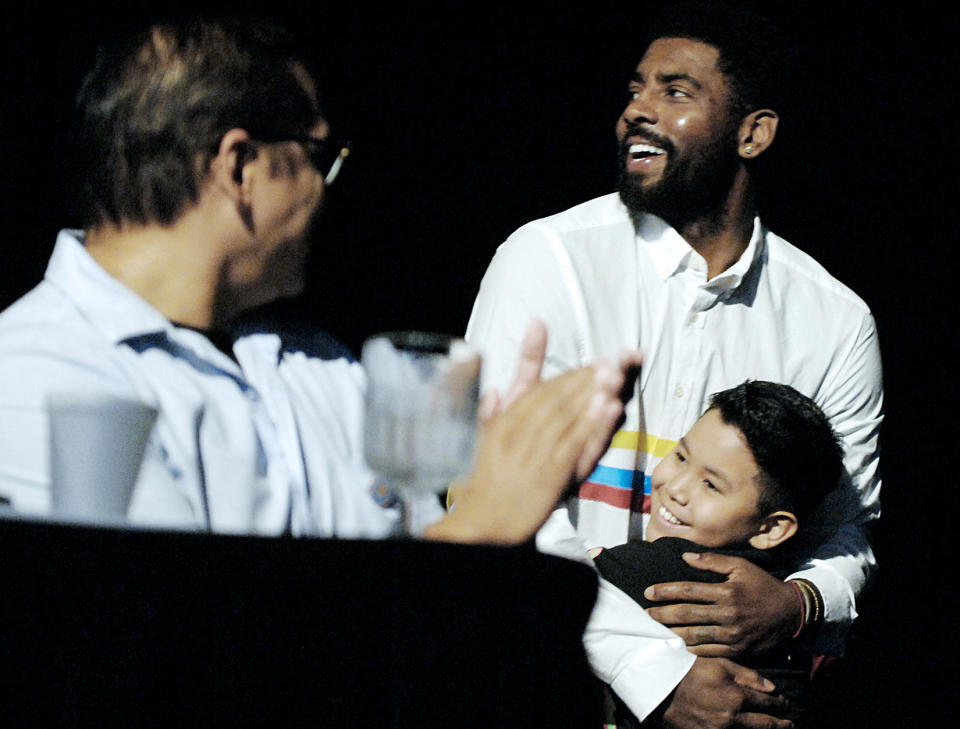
x=641 y=659
x=839 y=608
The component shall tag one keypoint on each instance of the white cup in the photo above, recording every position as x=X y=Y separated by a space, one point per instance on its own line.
x=96 y=447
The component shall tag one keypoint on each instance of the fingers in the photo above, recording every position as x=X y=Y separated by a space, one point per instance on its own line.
x=616 y=388
x=600 y=421
x=762 y=709
x=748 y=678
x=577 y=413
x=719 y=692
x=711 y=650
x=720 y=563
x=598 y=440
x=763 y=721
x=531 y=450
x=574 y=416
x=685 y=592
x=547 y=426
x=533 y=351
x=489 y=406
x=711 y=641
x=691 y=614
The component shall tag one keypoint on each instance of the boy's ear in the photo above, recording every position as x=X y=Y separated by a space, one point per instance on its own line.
x=776 y=528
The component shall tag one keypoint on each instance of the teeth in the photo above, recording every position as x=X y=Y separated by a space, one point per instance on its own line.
x=667 y=516
x=638 y=150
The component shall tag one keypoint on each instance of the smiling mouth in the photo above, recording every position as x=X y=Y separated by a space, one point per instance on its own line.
x=668 y=517
x=644 y=151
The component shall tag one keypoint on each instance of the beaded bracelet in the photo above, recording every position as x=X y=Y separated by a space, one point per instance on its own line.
x=803 y=608
x=813 y=602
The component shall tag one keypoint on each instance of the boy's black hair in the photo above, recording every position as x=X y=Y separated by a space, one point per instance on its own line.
x=796 y=450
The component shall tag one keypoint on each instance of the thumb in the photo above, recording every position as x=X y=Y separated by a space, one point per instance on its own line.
x=533 y=351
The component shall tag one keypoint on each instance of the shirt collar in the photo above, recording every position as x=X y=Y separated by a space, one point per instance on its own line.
x=112 y=308
x=731 y=278
x=671 y=254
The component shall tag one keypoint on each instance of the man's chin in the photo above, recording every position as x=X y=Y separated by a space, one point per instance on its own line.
x=636 y=197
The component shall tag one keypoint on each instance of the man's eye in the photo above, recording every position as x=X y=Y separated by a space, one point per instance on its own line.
x=676 y=93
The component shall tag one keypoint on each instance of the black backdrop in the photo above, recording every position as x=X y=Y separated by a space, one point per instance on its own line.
x=469 y=119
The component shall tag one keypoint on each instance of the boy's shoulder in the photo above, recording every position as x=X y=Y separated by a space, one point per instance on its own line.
x=636 y=565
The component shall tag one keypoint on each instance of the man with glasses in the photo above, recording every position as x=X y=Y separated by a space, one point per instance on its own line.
x=204 y=159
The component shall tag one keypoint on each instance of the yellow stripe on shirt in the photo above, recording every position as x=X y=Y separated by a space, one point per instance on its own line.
x=632 y=440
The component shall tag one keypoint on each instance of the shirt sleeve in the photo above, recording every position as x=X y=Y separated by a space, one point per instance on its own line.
x=641 y=659
x=844 y=563
x=529 y=278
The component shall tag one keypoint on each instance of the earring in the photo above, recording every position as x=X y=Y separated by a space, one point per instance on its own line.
x=748 y=149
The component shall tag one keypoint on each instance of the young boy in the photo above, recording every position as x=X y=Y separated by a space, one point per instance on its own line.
x=739 y=482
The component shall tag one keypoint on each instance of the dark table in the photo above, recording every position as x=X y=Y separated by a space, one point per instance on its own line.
x=106 y=627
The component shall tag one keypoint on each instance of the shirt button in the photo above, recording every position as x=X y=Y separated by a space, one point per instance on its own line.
x=693 y=317
x=678 y=392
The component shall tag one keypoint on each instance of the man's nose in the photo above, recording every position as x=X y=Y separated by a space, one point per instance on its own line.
x=641 y=109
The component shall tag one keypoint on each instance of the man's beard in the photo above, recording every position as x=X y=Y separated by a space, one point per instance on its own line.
x=693 y=187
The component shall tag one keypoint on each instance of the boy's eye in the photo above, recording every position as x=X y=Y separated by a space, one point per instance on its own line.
x=679 y=456
x=710 y=485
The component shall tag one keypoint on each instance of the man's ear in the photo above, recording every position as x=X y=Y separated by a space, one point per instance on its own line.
x=230 y=164
x=233 y=175
x=757 y=132
x=776 y=528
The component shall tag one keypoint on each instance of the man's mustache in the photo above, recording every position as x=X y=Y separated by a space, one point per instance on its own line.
x=648 y=136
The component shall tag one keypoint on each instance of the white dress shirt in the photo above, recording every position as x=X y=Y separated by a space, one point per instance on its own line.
x=601 y=287
x=267 y=444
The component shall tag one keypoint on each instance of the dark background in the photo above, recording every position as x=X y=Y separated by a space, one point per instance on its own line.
x=471 y=119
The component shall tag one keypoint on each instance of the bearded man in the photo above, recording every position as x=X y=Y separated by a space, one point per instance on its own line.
x=679 y=264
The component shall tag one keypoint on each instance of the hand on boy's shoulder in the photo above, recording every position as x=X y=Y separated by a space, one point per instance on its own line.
x=749 y=611
x=636 y=565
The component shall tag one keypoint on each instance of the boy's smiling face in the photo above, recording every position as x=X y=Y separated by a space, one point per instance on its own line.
x=707 y=489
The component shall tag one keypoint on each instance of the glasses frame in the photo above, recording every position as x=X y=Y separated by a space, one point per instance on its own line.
x=327 y=155
x=320 y=151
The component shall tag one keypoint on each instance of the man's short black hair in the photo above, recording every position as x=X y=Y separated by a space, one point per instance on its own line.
x=796 y=450
x=155 y=106
x=754 y=55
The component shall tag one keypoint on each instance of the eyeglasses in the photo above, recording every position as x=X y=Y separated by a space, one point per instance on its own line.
x=326 y=155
